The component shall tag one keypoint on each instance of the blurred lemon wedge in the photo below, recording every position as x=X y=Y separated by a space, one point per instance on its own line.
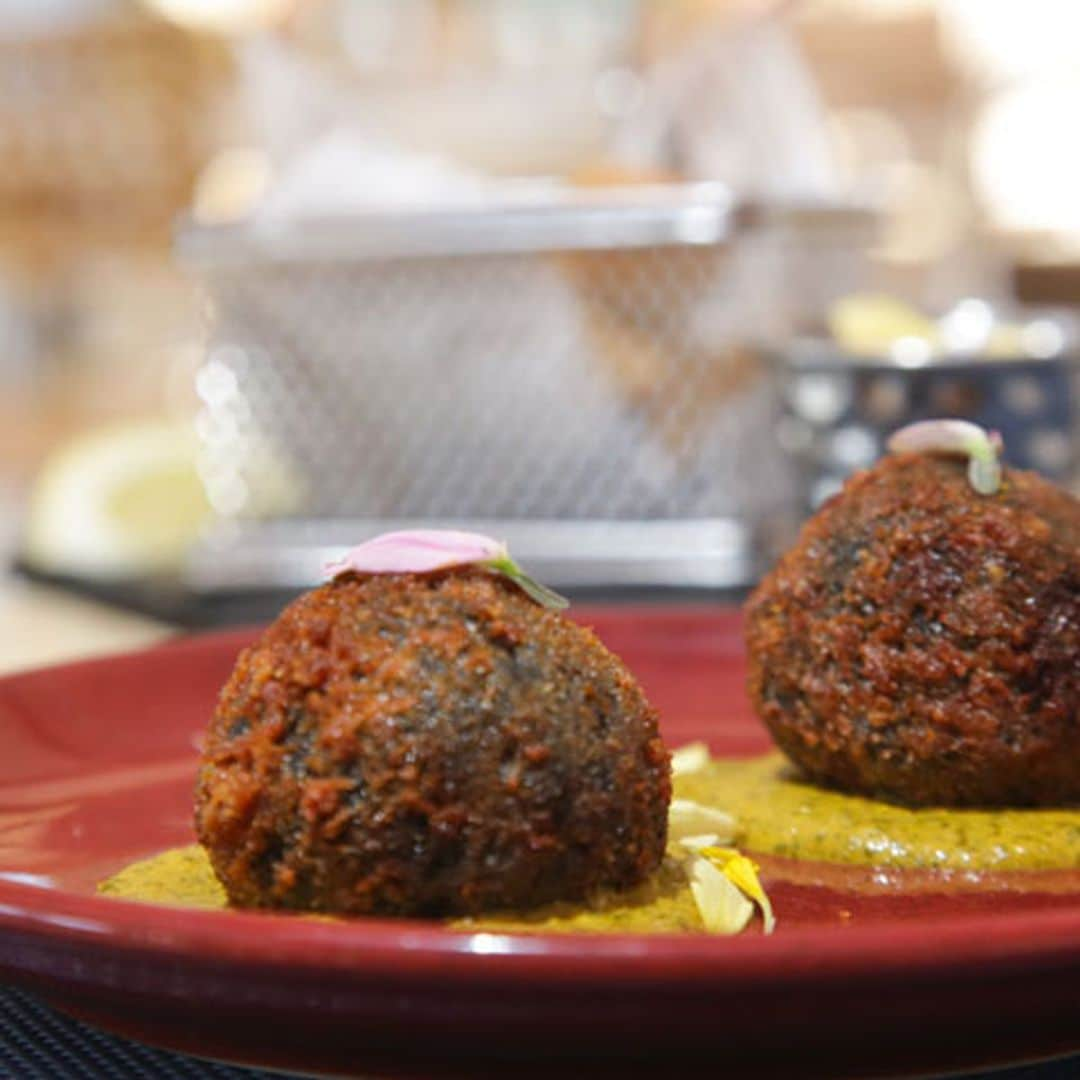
x=120 y=502
x=868 y=324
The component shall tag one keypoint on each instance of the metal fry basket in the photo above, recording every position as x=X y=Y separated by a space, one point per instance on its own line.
x=573 y=377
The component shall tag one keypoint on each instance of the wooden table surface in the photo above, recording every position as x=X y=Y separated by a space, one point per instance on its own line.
x=40 y=625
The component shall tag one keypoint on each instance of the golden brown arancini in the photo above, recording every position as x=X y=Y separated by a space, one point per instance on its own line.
x=429 y=745
x=921 y=642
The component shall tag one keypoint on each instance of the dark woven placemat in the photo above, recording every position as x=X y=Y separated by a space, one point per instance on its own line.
x=37 y=1043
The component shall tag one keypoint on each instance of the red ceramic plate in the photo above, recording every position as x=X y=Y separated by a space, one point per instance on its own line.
x=96 y=770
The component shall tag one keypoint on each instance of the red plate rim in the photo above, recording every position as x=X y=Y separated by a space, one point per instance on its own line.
x=1049 y=940
x=384 y=946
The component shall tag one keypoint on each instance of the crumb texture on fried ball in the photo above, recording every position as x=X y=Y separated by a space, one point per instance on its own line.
x=429 y=745
x=921 y=642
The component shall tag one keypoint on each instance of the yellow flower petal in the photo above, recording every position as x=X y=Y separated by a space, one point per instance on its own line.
x=689 y=758
x=743 y=874
x=723 y=908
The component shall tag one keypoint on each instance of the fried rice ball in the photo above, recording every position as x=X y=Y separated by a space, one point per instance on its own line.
x=921 y=642
x=431 y=744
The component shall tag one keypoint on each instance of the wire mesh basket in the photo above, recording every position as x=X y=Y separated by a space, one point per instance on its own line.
x=543 y=371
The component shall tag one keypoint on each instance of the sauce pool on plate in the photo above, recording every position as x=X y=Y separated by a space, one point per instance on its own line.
x=779 y=816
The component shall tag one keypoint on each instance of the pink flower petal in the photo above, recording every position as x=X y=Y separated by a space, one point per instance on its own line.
x=982 y=448
x=418 y=551
x=937 y=436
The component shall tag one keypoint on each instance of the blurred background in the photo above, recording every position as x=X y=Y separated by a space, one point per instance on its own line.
x=634 y=283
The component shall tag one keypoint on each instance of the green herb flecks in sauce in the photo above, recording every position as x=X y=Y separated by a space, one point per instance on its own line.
x=778 y=814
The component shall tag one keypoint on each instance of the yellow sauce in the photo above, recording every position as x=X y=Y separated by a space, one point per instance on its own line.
x=778 y=815
x=183 y=876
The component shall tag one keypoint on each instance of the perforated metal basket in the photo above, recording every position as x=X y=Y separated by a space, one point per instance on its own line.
x=539 y=371
x=840 y=409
